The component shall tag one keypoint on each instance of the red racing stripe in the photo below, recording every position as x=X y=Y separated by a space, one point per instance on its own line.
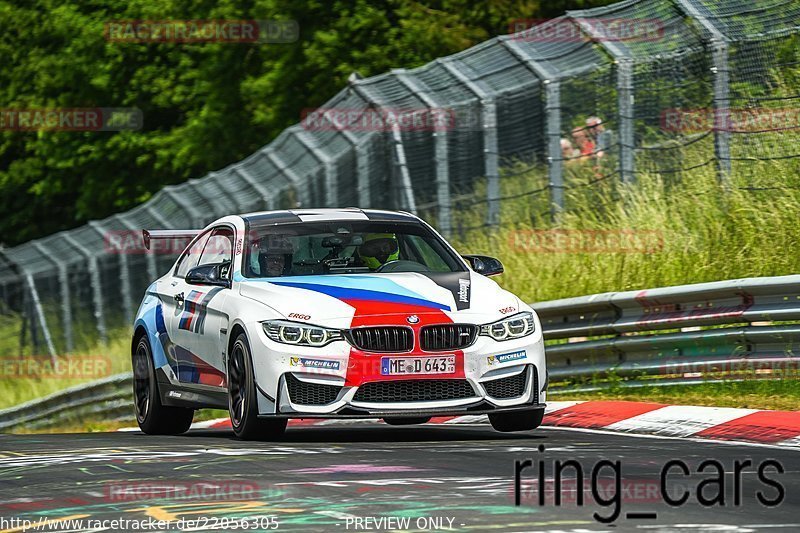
x=762 y=426
x=597 y=415
x=364 y=367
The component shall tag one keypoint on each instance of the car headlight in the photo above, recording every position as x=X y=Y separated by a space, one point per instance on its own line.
x=513 y=327
x=300 y=334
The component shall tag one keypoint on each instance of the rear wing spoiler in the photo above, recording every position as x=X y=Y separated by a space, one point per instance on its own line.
x=147 y=235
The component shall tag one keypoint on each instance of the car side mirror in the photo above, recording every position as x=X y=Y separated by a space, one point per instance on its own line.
x=214 y=274
x=483 y=264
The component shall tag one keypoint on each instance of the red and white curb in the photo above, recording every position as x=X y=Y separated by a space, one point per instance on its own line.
x=780 y=428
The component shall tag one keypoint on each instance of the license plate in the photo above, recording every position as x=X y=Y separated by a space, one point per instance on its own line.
x=392 y=366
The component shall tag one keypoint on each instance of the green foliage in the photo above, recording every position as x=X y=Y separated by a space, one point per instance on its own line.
x=205 y=105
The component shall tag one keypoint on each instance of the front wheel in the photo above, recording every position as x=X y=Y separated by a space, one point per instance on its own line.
x=153 y=417
x=517 y=421
x=242 y=400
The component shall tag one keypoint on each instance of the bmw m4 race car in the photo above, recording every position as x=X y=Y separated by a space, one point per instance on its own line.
x=330 y=313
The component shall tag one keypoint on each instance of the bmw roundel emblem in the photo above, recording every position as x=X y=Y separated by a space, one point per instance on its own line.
x=413 y=319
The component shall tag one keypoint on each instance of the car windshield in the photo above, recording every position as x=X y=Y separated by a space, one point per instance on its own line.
x=344 y=247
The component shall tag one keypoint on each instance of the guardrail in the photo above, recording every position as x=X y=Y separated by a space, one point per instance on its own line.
x=647 y=337
x=659 y=332
x=107 y=399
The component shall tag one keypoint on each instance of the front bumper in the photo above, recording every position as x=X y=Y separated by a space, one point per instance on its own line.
x=507 y=389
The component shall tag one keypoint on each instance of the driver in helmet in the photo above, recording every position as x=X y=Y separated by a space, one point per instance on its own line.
x=379 y=249
x=274 y=256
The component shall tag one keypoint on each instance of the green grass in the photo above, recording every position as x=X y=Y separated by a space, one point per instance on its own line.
x=15 y=388
x=708 y=234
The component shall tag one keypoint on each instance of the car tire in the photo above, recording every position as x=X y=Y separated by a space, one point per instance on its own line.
x=407 y=421
x=517 y=421
x=242 y=399
x=153 y=417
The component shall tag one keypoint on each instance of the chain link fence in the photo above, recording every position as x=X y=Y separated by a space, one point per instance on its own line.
x=642 y=86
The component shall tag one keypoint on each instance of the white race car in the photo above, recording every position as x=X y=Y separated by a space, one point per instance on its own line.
x=332 y=313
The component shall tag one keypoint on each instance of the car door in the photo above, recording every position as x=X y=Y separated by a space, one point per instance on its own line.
x=200 y=316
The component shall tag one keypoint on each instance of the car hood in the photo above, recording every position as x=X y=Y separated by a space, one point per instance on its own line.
x=347 y=300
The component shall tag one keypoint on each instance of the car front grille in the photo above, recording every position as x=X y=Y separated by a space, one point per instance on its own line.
x=304 y=393
x=447 y=336
x=384 y=339
x=414 y=390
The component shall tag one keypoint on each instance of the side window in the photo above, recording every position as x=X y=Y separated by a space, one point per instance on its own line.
x=219 y=247
x=191 y=255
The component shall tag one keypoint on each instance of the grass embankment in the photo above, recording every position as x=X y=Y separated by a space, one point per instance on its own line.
x=704 y=232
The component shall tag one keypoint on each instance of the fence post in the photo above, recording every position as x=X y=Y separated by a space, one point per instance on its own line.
x=124 y=273
x=225 y=199
x=66 y=305
x=97 y=289
x=441 y=151
x=490 y=147
x=719 y=55
x=362 y=174
x=152 y=269
x=625 y=94
x=300 y=185
x=400 y=163
x=329 y=164
x=37 y=307
x=552 y=88
x=625 y=105
x=554 y=154
x=254 y=183
x=401 y=166
x=196 y=216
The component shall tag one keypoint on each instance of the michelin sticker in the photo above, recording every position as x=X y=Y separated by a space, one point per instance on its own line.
x=325 y=364
x=505 y=357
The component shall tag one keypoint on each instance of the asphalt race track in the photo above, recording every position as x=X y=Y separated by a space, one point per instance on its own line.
x=354 y=477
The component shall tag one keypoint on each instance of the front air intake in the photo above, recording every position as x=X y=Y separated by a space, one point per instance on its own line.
x=384 y=339
x=414 y=390
x=304 y=393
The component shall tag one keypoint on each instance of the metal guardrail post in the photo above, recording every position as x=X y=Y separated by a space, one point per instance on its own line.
x=97 y=289
x=552 y=90
x=196 y=216
x=259 y=187
x=362 y=174
x=441 y=149
x=400 y=163
x=626 y=131
x=124 y=273
x=719 y=54
x=299 y=185
x=37 y=306
x=150 y=258
x=402 y=168
x=328 y=163
x=490 y=143
x=229 y=207
x=625 y=95
x=66 y=305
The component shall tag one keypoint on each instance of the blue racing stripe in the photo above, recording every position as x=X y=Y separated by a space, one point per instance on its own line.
x=349 y=293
